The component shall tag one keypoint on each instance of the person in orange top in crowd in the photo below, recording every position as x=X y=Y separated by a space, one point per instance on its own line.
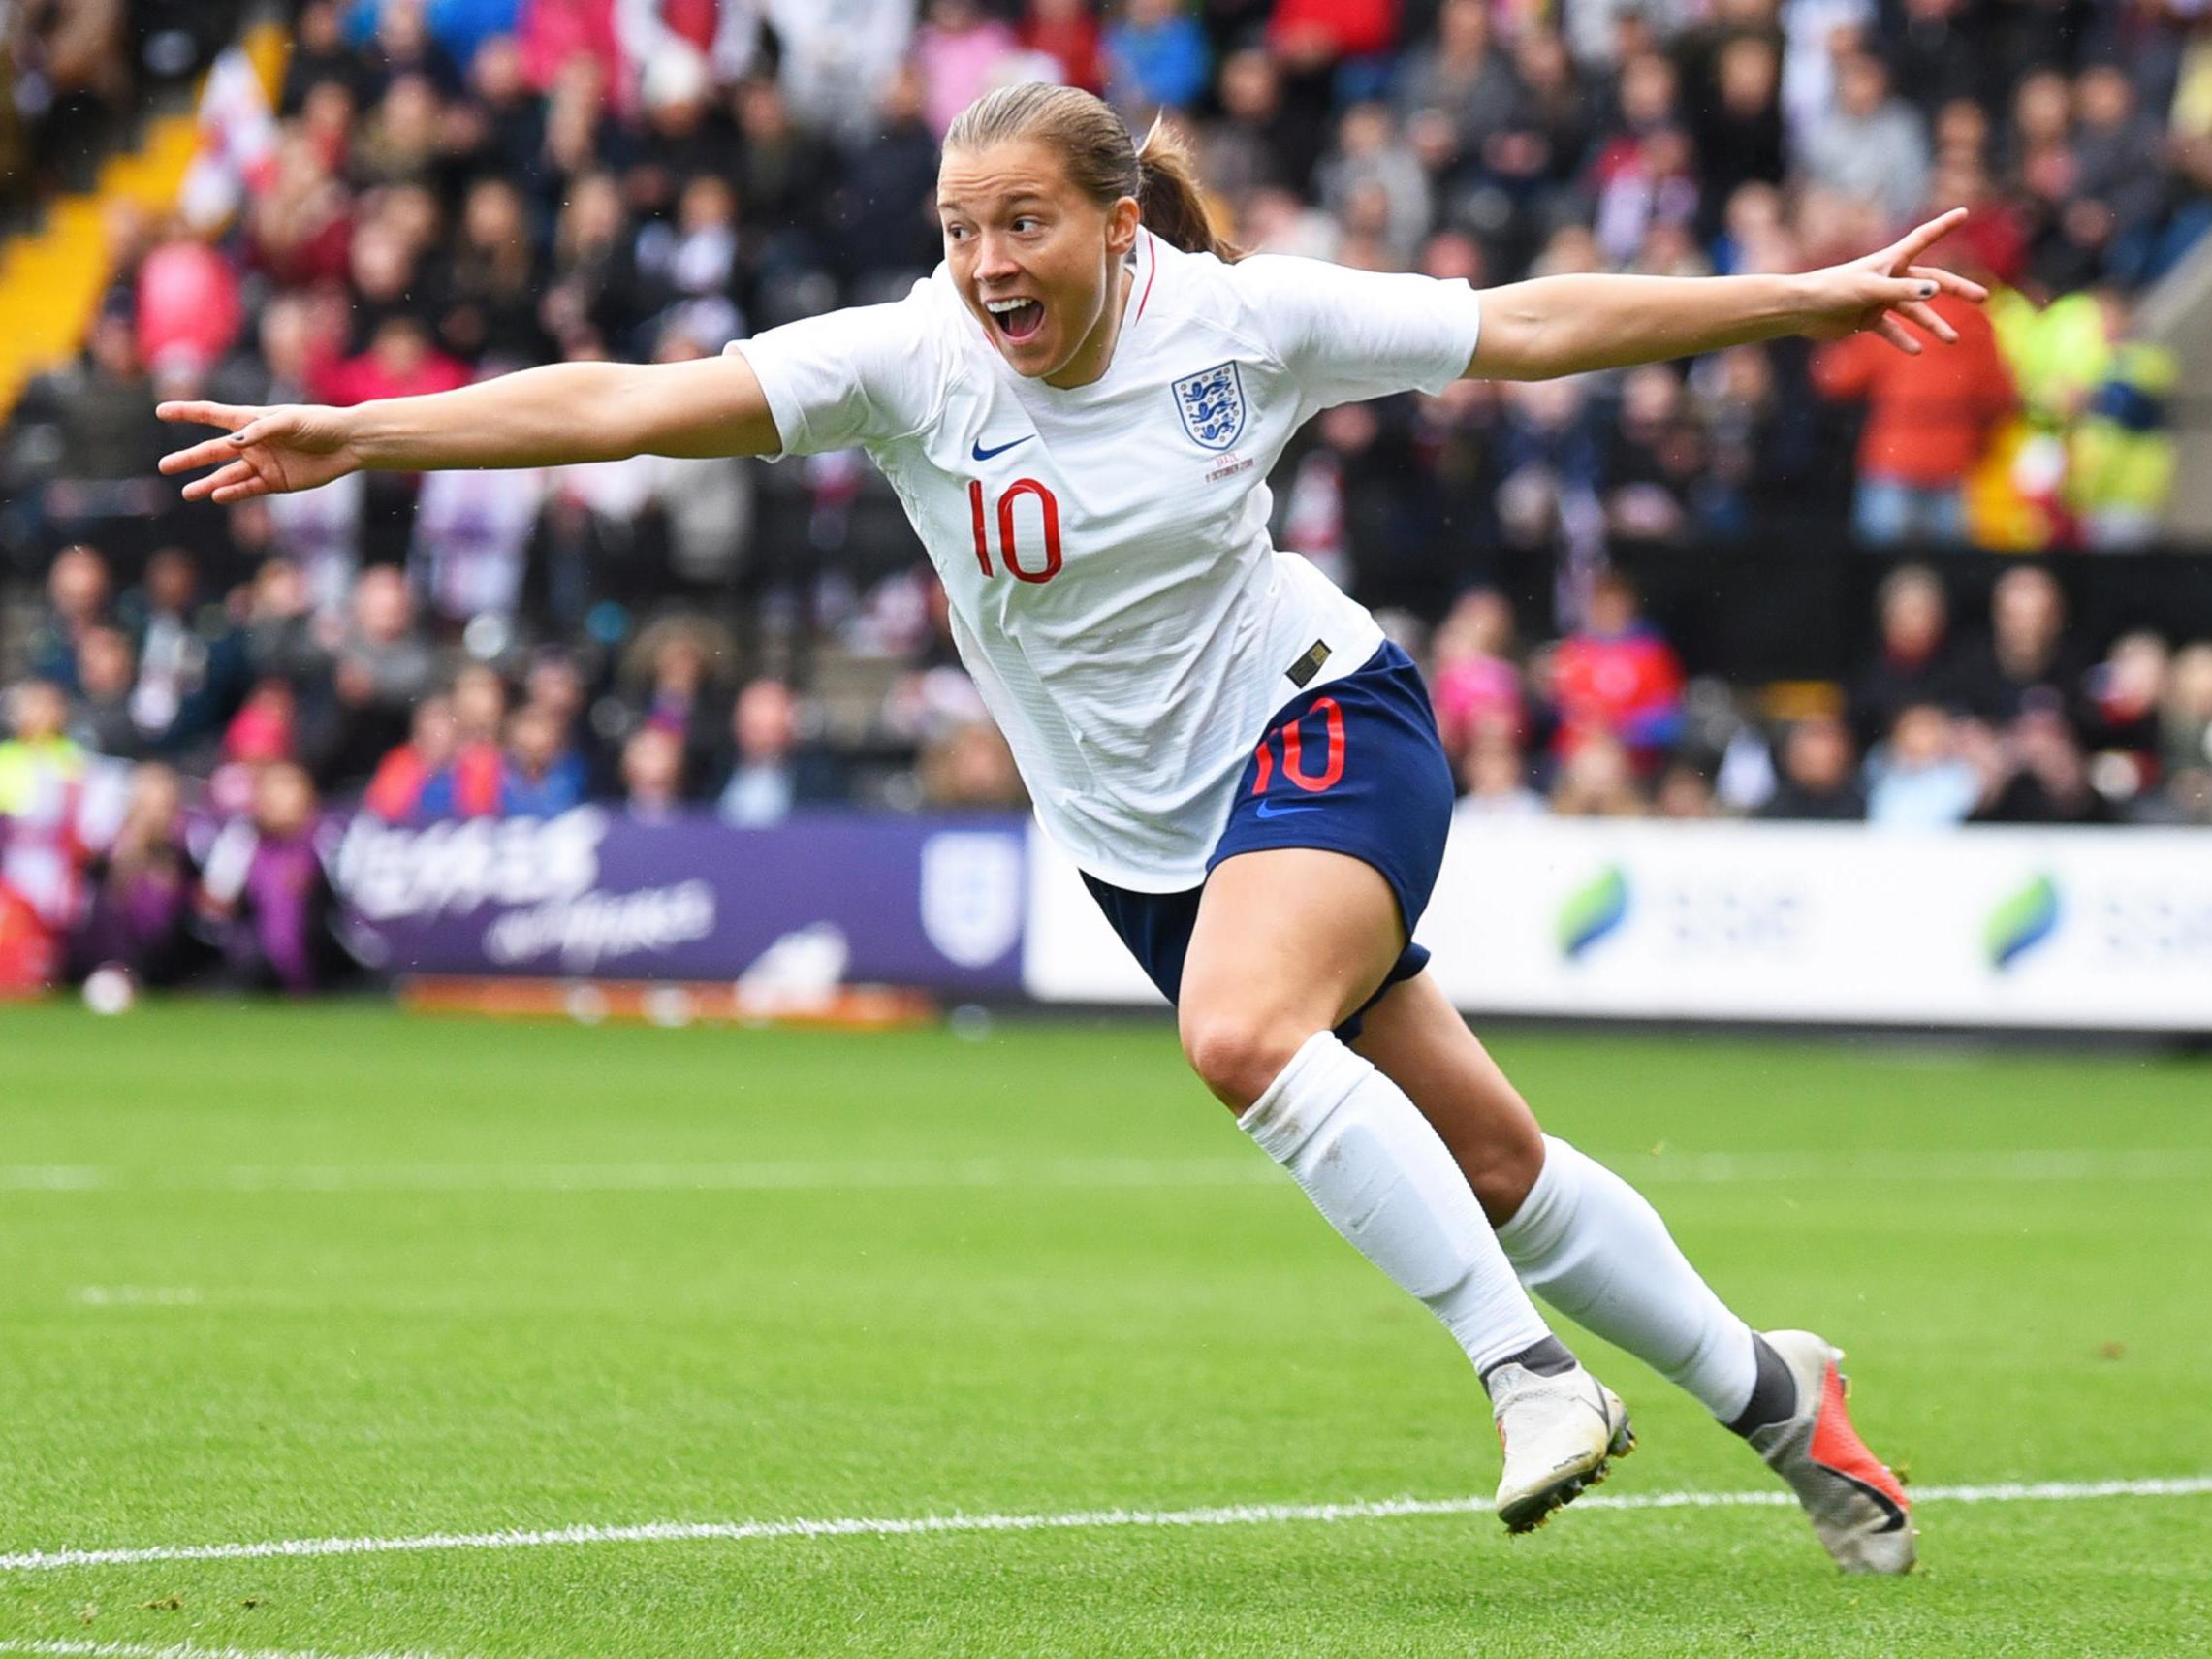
x=1929 y=418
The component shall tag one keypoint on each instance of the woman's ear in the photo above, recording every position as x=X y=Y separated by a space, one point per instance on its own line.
x=1122 y=220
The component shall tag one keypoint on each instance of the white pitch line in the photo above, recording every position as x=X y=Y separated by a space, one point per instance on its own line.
x=904 y=1526
x=181 y=1650
x=779 y=1175
x=837 y=1175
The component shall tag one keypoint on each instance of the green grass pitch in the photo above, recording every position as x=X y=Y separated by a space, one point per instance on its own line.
x=272 y=1274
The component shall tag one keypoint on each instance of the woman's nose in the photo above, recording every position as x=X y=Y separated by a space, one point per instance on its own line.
x=993 y=262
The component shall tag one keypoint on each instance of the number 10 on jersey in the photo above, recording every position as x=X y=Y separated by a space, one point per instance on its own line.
x=1009 y=548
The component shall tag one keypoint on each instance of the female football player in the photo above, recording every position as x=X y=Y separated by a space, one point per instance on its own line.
x=1079 y=410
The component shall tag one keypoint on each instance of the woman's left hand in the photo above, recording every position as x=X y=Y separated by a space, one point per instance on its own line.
x=1886 y=290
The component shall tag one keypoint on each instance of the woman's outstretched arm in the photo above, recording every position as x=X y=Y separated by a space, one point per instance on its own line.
x=555 y=416
x=1570 y=325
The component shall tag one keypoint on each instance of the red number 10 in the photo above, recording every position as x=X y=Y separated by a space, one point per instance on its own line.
x=1008 y=552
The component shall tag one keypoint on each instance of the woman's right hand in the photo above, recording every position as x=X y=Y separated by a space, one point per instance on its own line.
x=269 y=452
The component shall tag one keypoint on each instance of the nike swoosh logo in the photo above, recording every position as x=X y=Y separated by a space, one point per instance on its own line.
x=1268 y=810
x=981 y=454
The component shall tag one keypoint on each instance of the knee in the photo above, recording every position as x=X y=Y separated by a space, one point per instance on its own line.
x=1238 y=1055
x=1504 y=1168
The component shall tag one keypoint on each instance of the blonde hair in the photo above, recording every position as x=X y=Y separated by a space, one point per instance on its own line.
x=1101 y=159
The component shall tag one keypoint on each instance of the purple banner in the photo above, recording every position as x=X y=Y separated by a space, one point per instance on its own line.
x=820 y=900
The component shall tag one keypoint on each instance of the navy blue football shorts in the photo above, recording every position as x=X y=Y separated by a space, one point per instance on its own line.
x=1354 y=766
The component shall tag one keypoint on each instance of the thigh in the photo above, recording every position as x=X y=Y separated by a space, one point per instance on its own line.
x=1418 y=1041
x=1295 y=932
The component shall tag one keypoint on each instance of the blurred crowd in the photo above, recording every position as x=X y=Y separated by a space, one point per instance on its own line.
x=440 y=191
x=2003 y=719
x=71 y=72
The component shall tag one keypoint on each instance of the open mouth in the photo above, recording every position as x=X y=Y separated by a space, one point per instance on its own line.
x=1016 y=319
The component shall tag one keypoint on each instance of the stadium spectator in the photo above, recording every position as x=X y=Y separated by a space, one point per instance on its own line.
x=2050 y=781
x=1871 y=145
x=473 y=535
x=141 y=888
x=1917 y=779
x=1066 y=32
x=469 y=784
x=1155 y=58
x=1818 y=774
x=772 y=770
x=1912 y=660
x=1684 y=792
x=84 y=436
x=969 y=768
x=76 y=601
x=282 y=633
x=395 y=793
x=653 y=774
x=1597 y=779
x=879 y=217
x=1617 y=676
x=260 y=735
x=39 y=760
x=2120 y=707
x=960 y=50
x=1374 y=183
x=1496 y=780
x=2185 y=725
x=543 y=776
x=381 y=666
x=107 y=670
x=45 y=776
x=2027 y=657
x=1473 y=680
x=680 y=695
x=1929 y=422
x=265 y=894
x=192 y=663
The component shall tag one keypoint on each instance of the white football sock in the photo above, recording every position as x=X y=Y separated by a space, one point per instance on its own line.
x=1593 y=1247
x=1371 y=1164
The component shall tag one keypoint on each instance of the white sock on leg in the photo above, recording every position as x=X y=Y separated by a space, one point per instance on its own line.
x=1371 y=1164
x=1593 y=1247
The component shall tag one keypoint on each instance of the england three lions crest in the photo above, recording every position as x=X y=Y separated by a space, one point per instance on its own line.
x=1212 y=405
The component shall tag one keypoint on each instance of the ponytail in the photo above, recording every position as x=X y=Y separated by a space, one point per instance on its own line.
x=1100 y=159
x=1170 y=200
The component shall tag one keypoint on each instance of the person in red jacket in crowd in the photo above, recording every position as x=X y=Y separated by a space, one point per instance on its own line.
x=467 y=785
x=1066 y=31
x=1616 y=676
x=395 y=793
x=1929 y=419
x=1311 y=32
x=401 y=361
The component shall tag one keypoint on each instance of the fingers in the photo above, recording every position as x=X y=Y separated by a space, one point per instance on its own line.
x=222 y=485
x=199 y=413
x=1897 y=334
x=1919 y=240
x=1926 y=316
x=1949 y=281
x=213 y=453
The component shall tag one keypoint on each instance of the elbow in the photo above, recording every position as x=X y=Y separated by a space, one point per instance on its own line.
x=1523 y=345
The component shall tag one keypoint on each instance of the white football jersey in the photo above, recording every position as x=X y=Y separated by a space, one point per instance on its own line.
x=1105 y=550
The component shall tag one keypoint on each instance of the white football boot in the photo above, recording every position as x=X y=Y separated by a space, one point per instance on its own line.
x=1857 y=1506
x=1559 y=1434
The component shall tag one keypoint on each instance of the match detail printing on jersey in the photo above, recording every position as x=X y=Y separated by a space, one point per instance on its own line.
x=1113 y=587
